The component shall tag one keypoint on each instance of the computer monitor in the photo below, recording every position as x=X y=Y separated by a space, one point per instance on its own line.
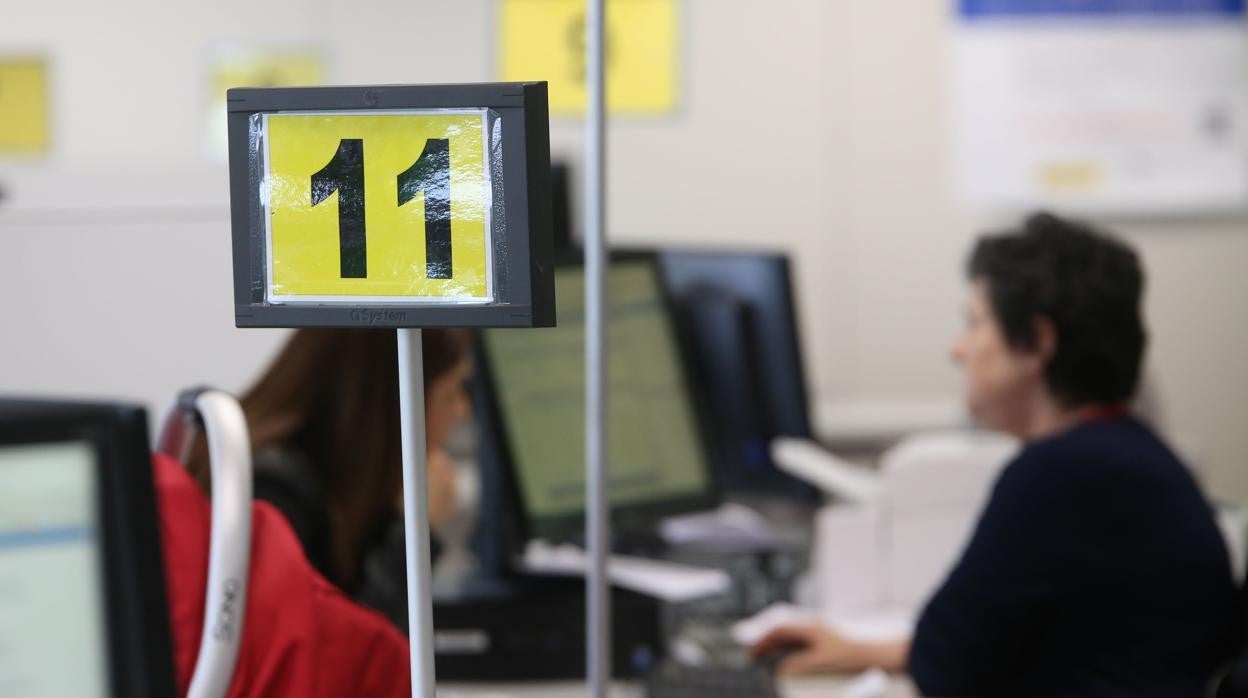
x=740 y=313
x=82 y=595
x=561 y=206
x=535 y=386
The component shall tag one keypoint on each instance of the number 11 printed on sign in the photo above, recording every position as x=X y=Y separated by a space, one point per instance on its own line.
x=430 y=174
x=390 y=207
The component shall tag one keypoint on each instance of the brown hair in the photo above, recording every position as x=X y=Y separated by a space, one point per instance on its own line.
x=332 y=394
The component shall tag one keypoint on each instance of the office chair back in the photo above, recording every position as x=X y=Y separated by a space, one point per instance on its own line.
x=229 y=551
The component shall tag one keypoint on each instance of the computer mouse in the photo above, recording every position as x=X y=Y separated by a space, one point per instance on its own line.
x=771 y=659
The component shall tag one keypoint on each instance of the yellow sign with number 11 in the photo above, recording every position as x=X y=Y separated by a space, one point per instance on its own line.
x=378 y=207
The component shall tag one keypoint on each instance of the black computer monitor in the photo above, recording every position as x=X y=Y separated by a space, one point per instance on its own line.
x=561 y=206
x=534 y=387
x=82 y=595
x=740 y=314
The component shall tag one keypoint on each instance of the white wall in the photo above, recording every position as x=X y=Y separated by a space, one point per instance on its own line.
x=818 y=126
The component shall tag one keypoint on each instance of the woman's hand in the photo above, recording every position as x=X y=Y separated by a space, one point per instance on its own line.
x=813 y=648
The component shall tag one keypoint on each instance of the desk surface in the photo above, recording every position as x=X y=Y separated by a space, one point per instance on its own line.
x=821 y=687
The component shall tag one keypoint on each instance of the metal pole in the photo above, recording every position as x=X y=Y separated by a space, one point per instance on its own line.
x=597 y=513
x=416 y=510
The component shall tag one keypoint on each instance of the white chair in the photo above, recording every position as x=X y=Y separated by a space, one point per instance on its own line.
x=229 y=549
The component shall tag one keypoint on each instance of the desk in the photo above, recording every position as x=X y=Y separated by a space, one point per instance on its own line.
x=820 y=687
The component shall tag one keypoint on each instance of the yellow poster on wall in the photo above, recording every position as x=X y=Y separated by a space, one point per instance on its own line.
x=24 y=106
x=256 y=67
x=383 y=208
x=545 y=40
x=268 y=68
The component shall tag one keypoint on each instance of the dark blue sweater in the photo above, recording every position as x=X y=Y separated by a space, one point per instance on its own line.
x=1095 y=570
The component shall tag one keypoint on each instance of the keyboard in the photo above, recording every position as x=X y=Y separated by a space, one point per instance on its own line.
x=675 y=680
x=704 y=660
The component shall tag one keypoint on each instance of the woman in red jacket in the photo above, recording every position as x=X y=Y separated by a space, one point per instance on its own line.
x=324 y=425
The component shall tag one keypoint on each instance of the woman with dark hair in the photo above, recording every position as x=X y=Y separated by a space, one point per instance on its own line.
x=1096 y=568
x=324 y=425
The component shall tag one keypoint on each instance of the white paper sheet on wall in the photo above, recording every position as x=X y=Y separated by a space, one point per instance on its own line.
x=1104 y=106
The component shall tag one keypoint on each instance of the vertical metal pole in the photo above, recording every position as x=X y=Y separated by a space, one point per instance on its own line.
x=416 y=510
x=598 y=523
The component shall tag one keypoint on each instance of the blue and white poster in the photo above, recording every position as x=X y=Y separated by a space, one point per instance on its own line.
x=1103 y=106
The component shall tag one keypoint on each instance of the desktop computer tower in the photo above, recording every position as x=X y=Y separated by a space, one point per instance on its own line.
x=533 y=628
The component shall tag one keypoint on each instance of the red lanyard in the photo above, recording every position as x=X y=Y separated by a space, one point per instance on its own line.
x=1104 y=413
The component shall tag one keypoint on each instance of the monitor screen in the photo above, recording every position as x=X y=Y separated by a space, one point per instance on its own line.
x=657 y=454
x=52 y=637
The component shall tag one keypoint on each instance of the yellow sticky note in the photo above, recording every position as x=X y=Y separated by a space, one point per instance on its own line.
x=545 y=40
x=24 y=108
x=378 y=207
x=1070 y=177
x=255 y=67
x=267 y=69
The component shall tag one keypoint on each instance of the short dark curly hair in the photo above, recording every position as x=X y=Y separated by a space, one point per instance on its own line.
x=1090 y=285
